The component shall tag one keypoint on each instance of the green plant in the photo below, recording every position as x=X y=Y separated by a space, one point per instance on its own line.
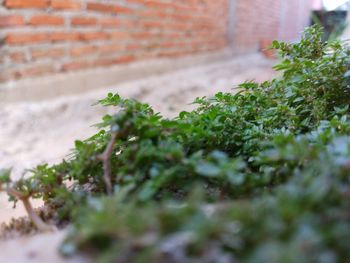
x=260 y=174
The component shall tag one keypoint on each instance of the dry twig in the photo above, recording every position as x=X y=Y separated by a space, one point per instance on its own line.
x=105 y=158
x=37 y=221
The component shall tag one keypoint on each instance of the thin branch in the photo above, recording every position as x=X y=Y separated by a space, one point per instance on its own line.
x=37 y=221
x=105 y=158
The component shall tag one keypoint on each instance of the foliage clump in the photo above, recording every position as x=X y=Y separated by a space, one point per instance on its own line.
x=261 y=175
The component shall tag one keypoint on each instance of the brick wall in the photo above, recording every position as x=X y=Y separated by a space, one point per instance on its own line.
x=259 y=21
x=40 y=37
x=295 y=16
x=43 y=37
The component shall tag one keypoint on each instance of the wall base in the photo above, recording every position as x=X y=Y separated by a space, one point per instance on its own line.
x=76 y=82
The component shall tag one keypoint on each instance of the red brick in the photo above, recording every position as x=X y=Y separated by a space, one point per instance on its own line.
x=125 y=59
x=188 y=9
x=64 y=36
x=111 y=61
x=168 y=44
x=26 y=3
x=121 y=10
x=109 y=22
x=159 y=4
x=25 y=38
x=44 y=20
x=103 y=62
x=89 y=36
x=33 y=71
x=99 y=7
x=83 y=21
x=150 y=13
x=152 y=24
x=141 y=2
x=174 y=54
x=133 y=47
x=128 y=23
x=66 y=4
x=179 y=26
x=108 y=48
x=47 y=53
x=118 y=35
x=143 y=35
x=82 y=50
x=76 y=65
x=108 y=8
x=11 y=21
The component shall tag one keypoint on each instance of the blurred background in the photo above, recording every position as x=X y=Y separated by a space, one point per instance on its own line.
x=57 y=57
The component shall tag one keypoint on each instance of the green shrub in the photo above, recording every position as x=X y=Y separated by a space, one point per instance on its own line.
x=261 y=175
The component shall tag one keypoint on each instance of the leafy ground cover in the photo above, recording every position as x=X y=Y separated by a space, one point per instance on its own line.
x=261 y=175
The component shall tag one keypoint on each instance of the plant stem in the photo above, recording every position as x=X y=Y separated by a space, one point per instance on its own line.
x=105 y=158
x=37 y=221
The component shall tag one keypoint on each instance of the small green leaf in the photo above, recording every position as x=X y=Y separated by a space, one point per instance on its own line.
x=5 y=176
x=208 y=169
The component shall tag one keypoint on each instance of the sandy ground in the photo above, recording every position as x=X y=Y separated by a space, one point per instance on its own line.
x=35 y=133
x=38 y=249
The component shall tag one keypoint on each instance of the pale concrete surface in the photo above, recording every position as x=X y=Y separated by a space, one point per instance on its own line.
x=35 y=133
